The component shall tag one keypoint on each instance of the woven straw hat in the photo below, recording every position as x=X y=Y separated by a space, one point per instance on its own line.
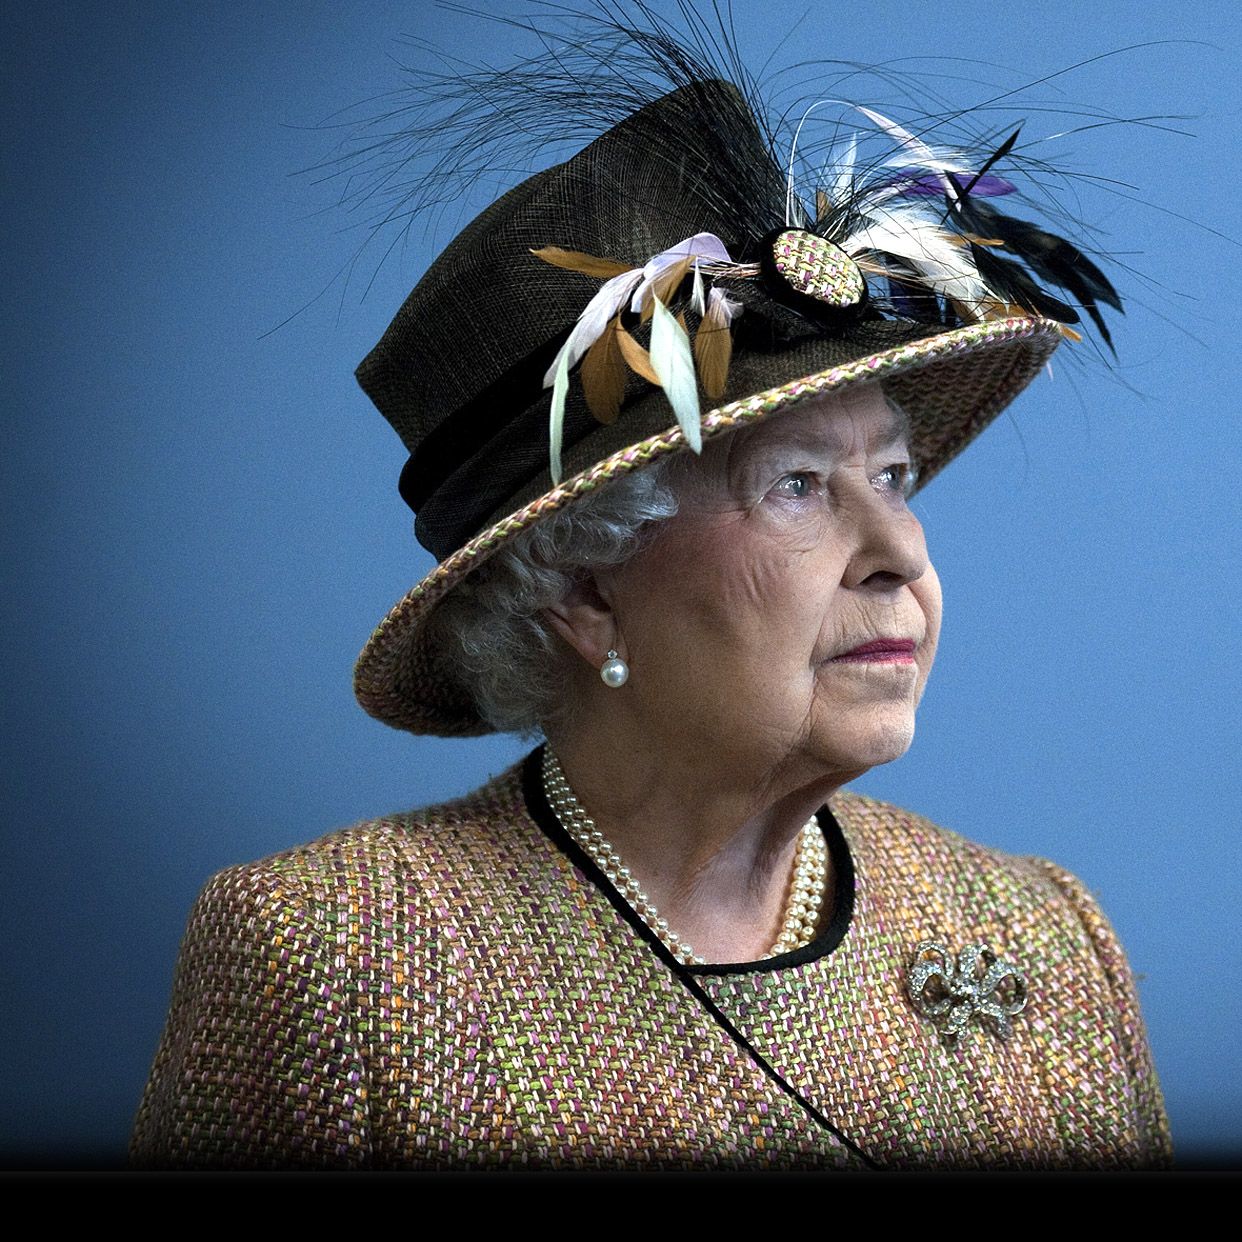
x=813 y=306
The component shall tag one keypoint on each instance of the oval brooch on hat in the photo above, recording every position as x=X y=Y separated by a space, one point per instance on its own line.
x=814 y=277
x=819 y=269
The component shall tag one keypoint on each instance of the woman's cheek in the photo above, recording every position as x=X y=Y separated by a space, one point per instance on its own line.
x=927 y=593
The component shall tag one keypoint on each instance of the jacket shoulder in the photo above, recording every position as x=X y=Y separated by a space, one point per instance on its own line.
x=378 y=851
x=940 y=886
x=958 y=889
x=877 y=826
x=284 y=977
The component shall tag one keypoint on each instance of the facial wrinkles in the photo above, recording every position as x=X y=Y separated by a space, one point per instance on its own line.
x=889 y=536
x=762 y=552
x=738 y=586
x=774 y=549
x=774 y=586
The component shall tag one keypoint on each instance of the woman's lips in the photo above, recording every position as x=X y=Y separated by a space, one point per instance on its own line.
x=880 y=651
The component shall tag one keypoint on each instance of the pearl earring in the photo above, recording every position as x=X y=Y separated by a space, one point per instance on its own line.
x=614 y=671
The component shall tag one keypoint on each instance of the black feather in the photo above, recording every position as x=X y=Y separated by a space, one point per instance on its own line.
x=470 y=122
x=997 y=155
x=1049 y=257
x=1008 y=280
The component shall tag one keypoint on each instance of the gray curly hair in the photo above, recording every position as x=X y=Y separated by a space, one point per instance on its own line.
x=492 y=628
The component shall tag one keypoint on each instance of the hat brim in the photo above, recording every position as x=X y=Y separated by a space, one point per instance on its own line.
x=952 y=383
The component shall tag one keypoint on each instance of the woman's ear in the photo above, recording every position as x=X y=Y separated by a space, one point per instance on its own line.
x=585 y=620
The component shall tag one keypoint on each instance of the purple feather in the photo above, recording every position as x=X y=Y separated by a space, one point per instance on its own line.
x=918 y=184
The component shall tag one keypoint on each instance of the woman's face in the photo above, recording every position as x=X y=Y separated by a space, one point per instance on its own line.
x=793 y=545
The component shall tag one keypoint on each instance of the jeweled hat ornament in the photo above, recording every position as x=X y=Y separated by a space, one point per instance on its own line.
x=689 y=271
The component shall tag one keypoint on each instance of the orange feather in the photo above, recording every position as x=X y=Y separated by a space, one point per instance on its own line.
x=713 y=350
x=577 y=261
x=603 y=375
x=666 y=285
x=636 y=357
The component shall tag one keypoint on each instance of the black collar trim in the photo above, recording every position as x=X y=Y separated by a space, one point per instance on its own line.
x=838 y=848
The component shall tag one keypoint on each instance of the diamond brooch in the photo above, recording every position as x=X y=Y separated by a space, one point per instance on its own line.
x=978 y=987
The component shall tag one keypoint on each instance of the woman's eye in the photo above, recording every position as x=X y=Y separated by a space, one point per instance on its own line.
x=796 y=486
x=899 y=477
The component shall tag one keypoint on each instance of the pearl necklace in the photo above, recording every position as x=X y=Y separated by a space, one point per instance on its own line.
x=806 y=891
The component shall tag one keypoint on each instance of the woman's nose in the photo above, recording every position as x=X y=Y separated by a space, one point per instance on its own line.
x=889 y=549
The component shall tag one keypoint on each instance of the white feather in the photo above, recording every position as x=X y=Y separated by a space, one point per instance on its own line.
x=917 y=153
x=941 y=161
x=792 y=200
x=722 y=310
x=608 y=300
x=697 y=297
x=560 y=387
x=676 y=357
x=673 y=361
x=945 y=265
x=701 y=246
x=844 y=180
x=916 y=146
x=873 y=196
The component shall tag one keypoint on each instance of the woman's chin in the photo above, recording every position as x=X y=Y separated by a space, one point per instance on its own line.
x=869 y=746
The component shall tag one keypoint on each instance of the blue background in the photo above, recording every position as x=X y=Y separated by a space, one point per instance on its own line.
x=201 y=525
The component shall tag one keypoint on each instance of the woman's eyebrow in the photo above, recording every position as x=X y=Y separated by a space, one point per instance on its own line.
x=895 y=430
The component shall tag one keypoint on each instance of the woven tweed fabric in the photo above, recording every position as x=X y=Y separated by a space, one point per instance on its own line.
x=449 y=988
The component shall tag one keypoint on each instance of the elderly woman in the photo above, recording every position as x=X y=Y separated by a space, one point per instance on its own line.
x=664 y=418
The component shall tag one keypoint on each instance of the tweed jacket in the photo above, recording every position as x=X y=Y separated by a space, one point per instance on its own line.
x=460 y=987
